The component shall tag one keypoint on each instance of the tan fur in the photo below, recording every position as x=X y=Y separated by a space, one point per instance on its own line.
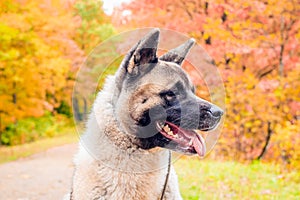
x=145 y=97
x=131 y=65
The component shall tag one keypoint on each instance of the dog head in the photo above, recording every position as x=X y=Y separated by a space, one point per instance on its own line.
x=156 y=101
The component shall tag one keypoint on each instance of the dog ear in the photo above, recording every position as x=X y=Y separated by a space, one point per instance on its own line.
x=139 y=57
x=146 y=50
x=178 y=54
x=144 y=53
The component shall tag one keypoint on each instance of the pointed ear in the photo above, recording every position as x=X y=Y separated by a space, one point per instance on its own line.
x=139 y=57
x=144 y=53
x=178 y=54
x=146 y=50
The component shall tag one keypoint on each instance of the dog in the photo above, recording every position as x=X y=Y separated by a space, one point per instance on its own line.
x=146 y=109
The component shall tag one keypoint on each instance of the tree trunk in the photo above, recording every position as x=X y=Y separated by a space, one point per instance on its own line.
x=281 y=66
x=14 y=95
x=268 y=138
x=76 y=109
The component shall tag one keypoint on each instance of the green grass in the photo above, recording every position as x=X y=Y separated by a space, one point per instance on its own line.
x=9 y=153
x=35 y=128
x=206 y=179
x=198 y=179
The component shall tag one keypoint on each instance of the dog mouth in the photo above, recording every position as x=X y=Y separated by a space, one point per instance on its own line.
x=186 y=140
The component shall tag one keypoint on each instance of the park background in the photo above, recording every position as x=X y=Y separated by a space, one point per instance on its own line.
x=255 y=46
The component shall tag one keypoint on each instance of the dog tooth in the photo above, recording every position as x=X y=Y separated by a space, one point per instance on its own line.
x=166 y=128
x=191 y=142
x=170 y=133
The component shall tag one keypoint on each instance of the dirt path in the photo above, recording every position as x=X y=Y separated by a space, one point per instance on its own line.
x=43 y=176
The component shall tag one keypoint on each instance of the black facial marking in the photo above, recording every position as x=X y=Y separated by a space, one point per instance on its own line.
x=144 y=119
x=155 y=141
x=190 y=114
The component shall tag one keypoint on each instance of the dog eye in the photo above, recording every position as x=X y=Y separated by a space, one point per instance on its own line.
x=144 y=101
x=170 y=96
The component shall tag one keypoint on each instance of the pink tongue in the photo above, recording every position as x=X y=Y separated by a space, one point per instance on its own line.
x=199 y=145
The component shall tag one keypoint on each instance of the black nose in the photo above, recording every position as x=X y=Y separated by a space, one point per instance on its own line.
x=216 y=111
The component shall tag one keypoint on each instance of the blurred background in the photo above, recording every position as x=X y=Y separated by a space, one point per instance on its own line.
x=255 y=46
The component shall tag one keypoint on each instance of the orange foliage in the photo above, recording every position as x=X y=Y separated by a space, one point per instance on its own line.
x=256 y=47
x=38 y=58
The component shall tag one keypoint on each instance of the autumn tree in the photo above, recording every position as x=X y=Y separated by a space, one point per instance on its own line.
x=94 y=25
x=37 y=59
x=255 y=46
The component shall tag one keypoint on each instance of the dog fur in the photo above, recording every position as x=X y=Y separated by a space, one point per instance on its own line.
x=116 y=160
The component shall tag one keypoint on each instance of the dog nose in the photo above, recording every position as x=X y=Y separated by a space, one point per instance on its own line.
x=216 y=111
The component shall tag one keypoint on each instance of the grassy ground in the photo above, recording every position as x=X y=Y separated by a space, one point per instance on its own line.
x=200 y=179
x=10 y=153
x=230 y=180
